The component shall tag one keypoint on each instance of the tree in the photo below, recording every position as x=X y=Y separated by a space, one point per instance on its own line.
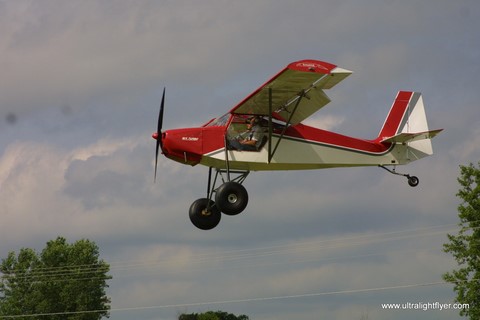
x=465 y=247
x=67 y=281
x=212 y=315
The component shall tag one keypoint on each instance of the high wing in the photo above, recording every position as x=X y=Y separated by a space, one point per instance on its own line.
x=295 y=93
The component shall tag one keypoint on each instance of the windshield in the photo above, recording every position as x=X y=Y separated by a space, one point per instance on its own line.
x=220 y=122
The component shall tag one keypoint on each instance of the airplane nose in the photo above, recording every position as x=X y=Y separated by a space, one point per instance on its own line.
x=155 y=135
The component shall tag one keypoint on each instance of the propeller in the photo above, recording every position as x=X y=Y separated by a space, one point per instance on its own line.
x=158 y=134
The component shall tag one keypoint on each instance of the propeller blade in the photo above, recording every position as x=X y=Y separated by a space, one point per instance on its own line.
x=159 y=133
x=160 y=114
x=156 y=160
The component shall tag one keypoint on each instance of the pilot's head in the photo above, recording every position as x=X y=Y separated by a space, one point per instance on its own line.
x=253 y=120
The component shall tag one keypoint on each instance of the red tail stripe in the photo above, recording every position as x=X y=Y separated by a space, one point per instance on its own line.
x=395 y=116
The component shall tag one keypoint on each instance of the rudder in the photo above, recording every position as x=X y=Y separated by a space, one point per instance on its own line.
x=407 y=115
x=406 y=124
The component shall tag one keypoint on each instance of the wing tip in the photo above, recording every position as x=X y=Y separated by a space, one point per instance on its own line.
x=341 y=70
x=310 y=65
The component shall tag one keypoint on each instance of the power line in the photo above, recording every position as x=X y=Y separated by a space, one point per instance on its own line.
x=74 y=272
x=251 y=253
x=246 y=300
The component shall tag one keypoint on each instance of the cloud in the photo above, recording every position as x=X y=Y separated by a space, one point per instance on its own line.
x=468 y=149
x=30 y=180
x=84 y=79
x=58 y=189
x=326 y=123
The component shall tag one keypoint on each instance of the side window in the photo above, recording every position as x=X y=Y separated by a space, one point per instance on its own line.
x=247 y=133
x=237 y=127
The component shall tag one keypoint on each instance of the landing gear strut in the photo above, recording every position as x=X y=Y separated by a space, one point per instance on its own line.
x=231 y=198
x=412 y=180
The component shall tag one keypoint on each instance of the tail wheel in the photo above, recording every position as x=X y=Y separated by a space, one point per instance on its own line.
x=231 y=198
x=204 y=214
x=413 y=181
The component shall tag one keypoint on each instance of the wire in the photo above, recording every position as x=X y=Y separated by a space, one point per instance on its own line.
x=234 y=255
x=297 y=296
x=73 y=273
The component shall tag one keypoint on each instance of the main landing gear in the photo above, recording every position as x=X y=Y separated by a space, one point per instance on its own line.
x=412 y=180
x=231 y=198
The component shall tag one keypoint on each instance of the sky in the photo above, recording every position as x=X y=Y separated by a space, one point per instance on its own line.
x=80 y=87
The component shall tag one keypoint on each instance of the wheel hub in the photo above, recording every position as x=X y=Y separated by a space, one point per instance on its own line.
x=206 y=212
x=232 y=198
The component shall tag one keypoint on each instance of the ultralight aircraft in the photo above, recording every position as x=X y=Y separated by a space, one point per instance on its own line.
x=265 y=132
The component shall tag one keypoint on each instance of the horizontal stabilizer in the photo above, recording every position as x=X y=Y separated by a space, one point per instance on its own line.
x=409 y=137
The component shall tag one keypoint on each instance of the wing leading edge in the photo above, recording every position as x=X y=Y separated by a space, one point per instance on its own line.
x=295 y=93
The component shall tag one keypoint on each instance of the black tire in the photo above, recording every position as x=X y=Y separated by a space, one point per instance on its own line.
x=231 y=198
x=201 y=217
x=413 y=181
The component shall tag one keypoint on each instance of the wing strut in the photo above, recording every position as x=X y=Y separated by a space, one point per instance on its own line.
x=270 y=129
x=227 y=162
x=270 y=124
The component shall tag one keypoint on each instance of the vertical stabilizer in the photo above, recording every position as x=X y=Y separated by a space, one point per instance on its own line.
x=407 y=115
x=406 y=124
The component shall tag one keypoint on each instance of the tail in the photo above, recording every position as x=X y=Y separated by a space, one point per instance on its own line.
x=406 y=124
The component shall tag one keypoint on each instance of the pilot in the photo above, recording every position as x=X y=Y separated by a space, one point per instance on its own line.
x=251 y=139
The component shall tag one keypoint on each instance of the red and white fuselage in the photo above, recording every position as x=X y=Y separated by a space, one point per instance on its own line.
x=404 y=137
x=305 y=147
